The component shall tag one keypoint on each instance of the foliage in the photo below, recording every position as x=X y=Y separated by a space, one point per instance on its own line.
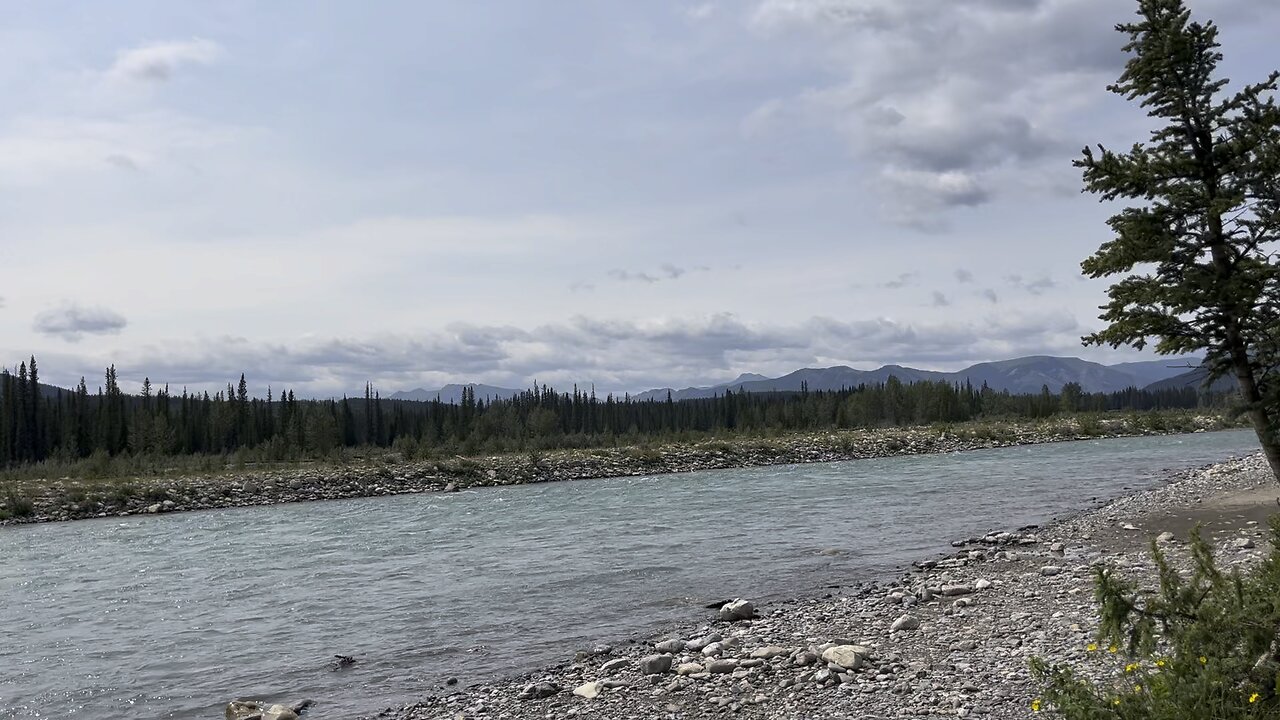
x=1198 y=250
x=1207 y=644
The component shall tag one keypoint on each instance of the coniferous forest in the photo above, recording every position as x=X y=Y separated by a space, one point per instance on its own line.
x=39 y=422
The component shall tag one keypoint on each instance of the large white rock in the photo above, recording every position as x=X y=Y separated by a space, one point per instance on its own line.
x=589 y=690
x=906 y=622
x=849 y=657
x=655 y=664
x=737 y=610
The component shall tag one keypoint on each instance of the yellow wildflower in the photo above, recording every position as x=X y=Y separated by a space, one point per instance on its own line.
x=1116 y=701
x=1130 y=667
x=1113 y=649
x=1035 y=704
x=1160 y=663
x=1254 y=698
x=1203 y=660
x=1091 y=647
x=1137 y=688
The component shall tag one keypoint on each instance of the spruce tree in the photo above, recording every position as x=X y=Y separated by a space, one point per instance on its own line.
x=1197 y=245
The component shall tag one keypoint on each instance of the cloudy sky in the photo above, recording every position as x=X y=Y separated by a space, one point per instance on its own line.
x=633 y=194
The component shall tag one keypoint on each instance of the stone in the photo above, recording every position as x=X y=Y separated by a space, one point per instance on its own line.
x=670 y=646
x=956 y=590
x=849 y=657
x=1243 y=543
x=279 y=712
x=655 y=664
x=770 y=652
x=1165 y=537
x=806 y=657
x=737 y=610
x=589 y=690
x=615 y=664
x=905 y=622
x=700 y=643
x=721 y=667
x=982 y=584
x=689 y=668
x=153 y=508
x=243 y=710
x=1050 y=570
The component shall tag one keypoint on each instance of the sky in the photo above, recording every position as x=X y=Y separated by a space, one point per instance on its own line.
x=618 y=193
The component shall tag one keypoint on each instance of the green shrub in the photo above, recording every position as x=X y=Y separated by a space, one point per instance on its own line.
x=17 y=505
x=1205 y=645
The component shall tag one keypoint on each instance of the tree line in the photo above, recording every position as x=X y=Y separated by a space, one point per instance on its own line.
x=39 y=422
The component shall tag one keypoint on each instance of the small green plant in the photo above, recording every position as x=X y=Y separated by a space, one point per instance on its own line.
x=16 y=505
x=1205 y=645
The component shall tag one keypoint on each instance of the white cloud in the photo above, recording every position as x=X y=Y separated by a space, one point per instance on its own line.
x=157 y=62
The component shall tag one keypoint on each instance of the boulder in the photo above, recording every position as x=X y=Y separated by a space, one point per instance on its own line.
x=770 y=652
x=589 y=690
x=1050 y=570
x=955 y=590
x=279 y=712
x=670 y=646
x=905 y=622
x=721 y=667
x=537 y=691
x=243 y=710
x=1165 y=537
x=1242 y=543
x=849 y=657
x=982 y=584
x=737 y=610
x=615 y=664
x=655 y=664
x=689 y=668
x=700 y=643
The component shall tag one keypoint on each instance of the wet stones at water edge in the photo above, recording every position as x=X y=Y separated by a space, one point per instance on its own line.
x=255 y=710
x=737 y=609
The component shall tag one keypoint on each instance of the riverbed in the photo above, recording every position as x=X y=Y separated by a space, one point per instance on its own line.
x=173 y=615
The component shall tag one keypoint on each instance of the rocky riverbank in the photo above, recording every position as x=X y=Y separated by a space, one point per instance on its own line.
x=952 y=638
x=75 y=498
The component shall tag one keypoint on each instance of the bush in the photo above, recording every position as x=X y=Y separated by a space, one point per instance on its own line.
x=1203 y=646
x=16 y=505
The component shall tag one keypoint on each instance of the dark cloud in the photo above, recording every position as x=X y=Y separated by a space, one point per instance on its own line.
x=963 y=275
x=903 y=280
x=72 y=321
x=666 y=271
x=1036 y=287
x=122 y=162
x=939 y=300
x=990 y=295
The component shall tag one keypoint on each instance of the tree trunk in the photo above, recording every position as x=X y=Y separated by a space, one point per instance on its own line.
x=1258 y=414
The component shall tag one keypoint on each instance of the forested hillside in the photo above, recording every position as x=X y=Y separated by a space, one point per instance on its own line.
x=38 y=423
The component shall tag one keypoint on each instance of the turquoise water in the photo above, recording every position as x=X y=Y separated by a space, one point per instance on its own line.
x=171 y=616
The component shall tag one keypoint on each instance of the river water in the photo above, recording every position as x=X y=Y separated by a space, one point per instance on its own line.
x=171 y=616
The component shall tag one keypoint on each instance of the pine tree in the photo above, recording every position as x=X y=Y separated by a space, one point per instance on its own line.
x=1206 y=218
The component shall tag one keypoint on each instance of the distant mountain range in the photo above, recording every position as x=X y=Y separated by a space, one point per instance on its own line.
x=1020 y=375
x=453 y=393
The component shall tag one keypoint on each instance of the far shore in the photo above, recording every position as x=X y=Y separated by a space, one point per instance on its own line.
x=70 y=498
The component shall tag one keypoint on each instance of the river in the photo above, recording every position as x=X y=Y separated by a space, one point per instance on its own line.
x=171 y=616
